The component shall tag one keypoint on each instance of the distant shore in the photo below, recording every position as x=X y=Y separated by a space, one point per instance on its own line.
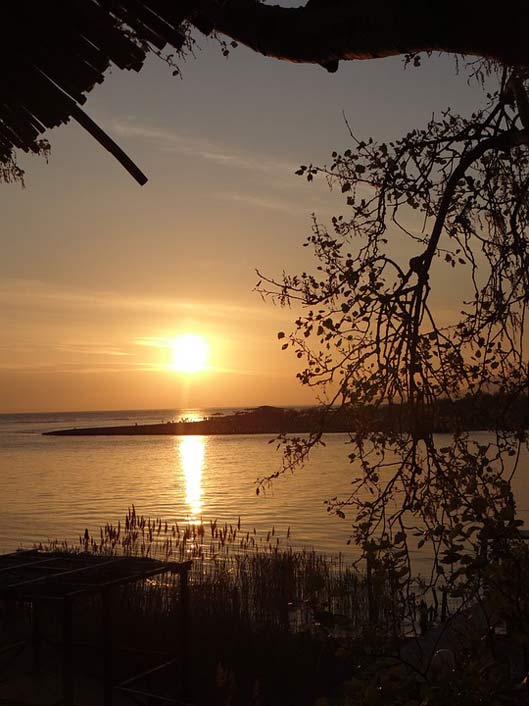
x=262 y=420
x=473 y=414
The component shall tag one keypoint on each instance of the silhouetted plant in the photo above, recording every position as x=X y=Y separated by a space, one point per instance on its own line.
x=370 y=337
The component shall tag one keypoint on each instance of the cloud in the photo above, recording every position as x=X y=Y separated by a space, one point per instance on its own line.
x=60 y=367
x=90 y=349
x=259 y=202
x=172 y=142
x=61 y=329
x=153 y=342
x=55 y=329
x=33 y=295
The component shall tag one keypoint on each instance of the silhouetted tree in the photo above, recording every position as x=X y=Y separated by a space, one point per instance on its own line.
x=327 y=31
x=458 y=190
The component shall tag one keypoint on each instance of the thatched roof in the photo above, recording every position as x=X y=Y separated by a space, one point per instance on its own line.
x=53 y=53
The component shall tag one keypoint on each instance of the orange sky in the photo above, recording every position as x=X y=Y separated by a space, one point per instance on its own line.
x=96 y=270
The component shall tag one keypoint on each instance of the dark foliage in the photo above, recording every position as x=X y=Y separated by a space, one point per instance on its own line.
x=457 y=190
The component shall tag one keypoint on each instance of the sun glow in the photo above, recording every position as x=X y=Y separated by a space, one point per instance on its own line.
x=189 y=354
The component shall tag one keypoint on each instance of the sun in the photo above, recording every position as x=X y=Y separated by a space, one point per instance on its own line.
x=189 y=354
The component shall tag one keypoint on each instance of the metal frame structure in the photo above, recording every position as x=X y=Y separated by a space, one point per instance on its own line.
x=34 y=577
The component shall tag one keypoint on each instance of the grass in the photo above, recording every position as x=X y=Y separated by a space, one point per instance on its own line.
x=262 y=578
x=264 y=615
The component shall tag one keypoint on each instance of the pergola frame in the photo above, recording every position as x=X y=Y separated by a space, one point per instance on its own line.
x=34 y=577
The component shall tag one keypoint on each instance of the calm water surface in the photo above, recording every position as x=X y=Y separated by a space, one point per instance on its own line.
x=54 y=487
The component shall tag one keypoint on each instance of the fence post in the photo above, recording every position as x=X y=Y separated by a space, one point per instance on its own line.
x=372 y=607
x=67 y=652
x=184 y=629
x=444 y=605
x=106 y=598
x=36 y=638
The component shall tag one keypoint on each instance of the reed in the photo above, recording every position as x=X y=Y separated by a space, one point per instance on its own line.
x=262 y=578
x=263 y=612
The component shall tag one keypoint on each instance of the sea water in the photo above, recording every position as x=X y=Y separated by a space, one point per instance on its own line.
x=53 y=487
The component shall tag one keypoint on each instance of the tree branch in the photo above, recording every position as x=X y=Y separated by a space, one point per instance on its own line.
x=503 y=141
x=325 y=32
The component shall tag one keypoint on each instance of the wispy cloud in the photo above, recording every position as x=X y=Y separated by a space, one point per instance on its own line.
x=30 y=295
x=269 y=204
x=65 y=367
x=57 y=329
x=91 y=349
x=172 y=142
x=153 y=342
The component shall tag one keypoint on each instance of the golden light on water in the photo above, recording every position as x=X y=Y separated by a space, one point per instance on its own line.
x=192 y=450
x=189 y=354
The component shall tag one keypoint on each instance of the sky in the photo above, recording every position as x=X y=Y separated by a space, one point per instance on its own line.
x=99 y=275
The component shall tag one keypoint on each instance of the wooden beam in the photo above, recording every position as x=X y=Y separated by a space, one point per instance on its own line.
x=108 y=143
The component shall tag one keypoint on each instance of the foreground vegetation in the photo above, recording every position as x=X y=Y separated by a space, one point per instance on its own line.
x=267 y=619
x=273 y=625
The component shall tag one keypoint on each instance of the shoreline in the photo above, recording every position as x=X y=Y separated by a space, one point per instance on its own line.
x=444 y=418
x=262 y=420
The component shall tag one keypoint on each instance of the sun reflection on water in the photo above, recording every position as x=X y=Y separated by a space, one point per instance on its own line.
x=192 y=450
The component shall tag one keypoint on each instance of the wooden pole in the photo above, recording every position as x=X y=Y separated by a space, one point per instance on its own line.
x=185 y=630
x=36 y=636
x=444 y=605
x=93 y=129
x=67 y=652
x=106 y=598
x=108 y=143
x=371 y=601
